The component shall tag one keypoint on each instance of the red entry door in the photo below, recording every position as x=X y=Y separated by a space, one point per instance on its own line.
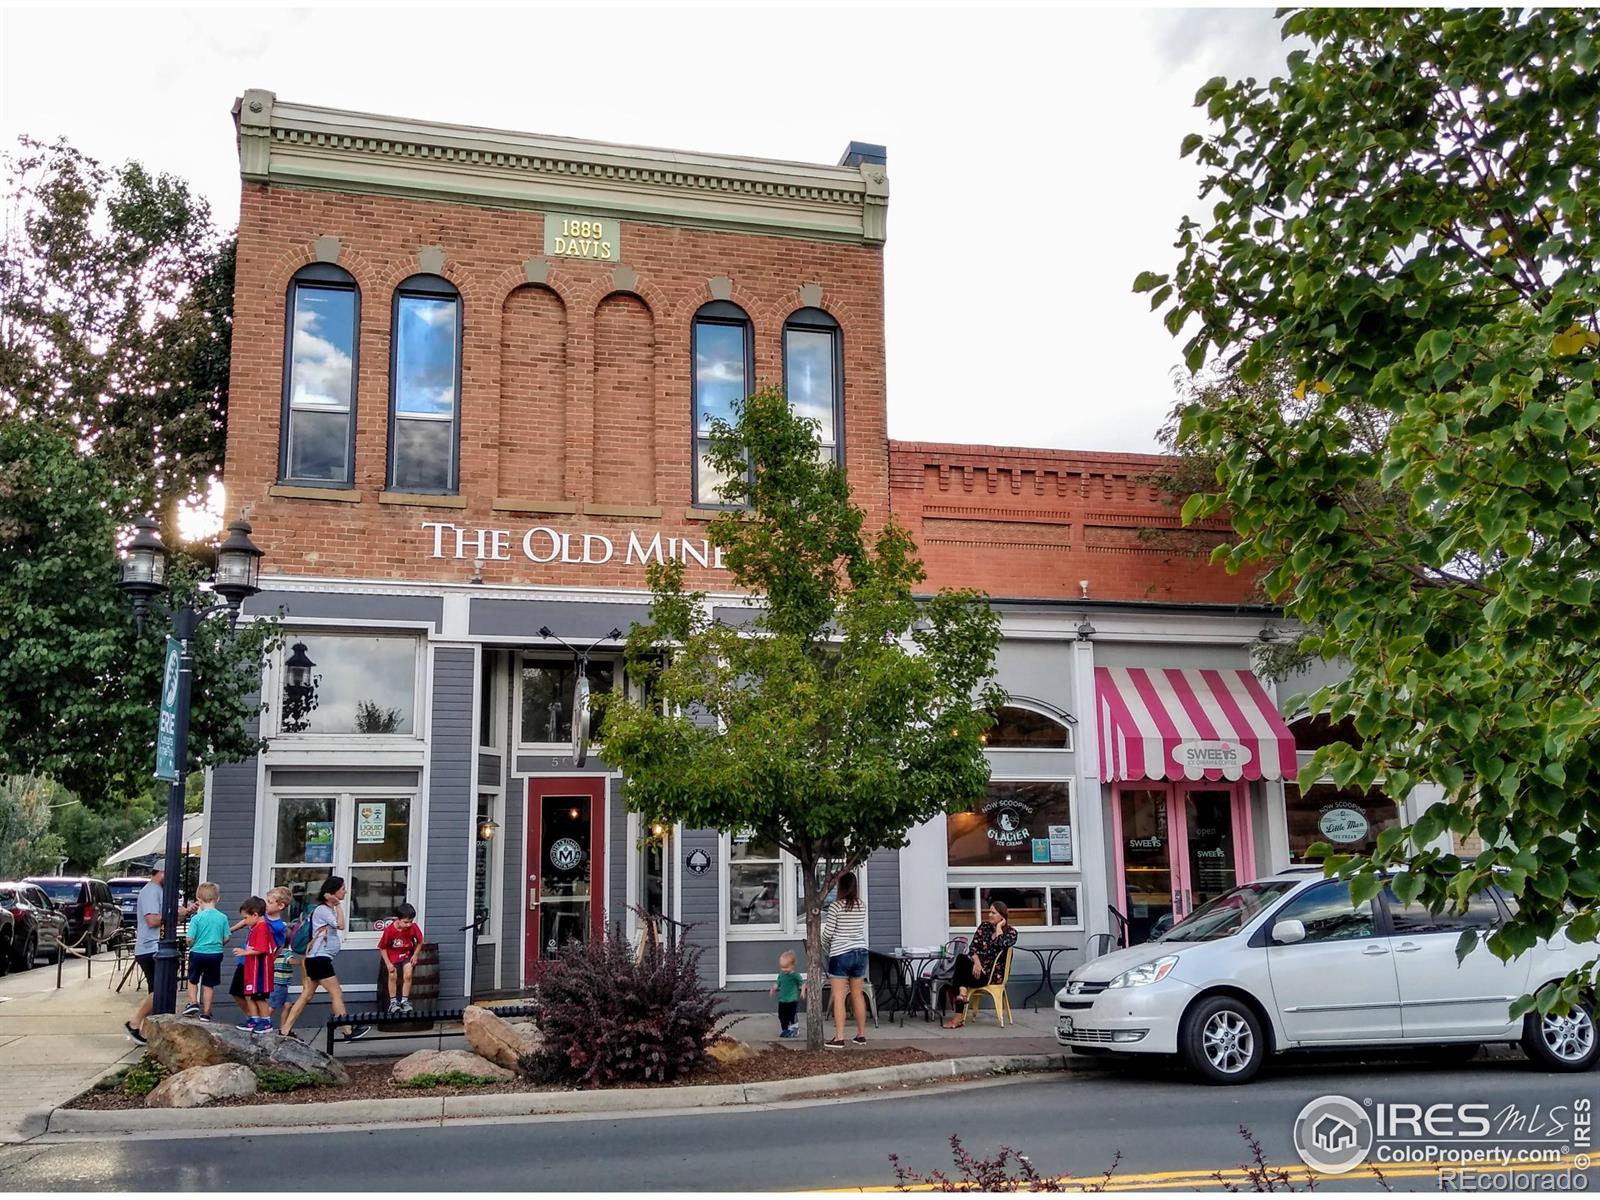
x=565 y=879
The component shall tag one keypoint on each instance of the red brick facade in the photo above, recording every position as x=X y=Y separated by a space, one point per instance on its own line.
x=575 y=393
x=1047 y=524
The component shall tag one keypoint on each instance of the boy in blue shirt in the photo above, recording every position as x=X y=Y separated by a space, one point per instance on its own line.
x=208 y=930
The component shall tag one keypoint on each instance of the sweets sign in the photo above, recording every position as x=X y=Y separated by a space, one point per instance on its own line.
x=547 y=544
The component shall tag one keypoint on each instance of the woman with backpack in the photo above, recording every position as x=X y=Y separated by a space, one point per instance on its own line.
x=322 y=934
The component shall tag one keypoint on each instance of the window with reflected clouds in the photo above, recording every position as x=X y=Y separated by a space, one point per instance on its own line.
x=722 y=373
x=813 y=380
x=320 y=377
x=425 y=386
x=348 y=684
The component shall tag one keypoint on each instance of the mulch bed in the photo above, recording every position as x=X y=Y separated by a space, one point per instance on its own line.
x=370 y=1078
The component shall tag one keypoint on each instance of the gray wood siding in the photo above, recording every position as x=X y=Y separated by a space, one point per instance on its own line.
x=513 y=897
x=230 y=852
x=451 y=795
x=702 y=897
x=883 y=899
x=618 y=859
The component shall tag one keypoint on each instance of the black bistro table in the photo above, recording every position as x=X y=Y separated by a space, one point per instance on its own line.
x=904 y=972
x=1046 y=956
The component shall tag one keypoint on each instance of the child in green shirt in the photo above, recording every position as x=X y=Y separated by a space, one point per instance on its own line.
x=208 y=930
x=790 y=989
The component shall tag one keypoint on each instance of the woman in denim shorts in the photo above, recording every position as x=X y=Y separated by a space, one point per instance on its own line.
x=844 y=929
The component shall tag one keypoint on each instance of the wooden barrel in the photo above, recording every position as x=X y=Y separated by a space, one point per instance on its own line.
x=424 y=988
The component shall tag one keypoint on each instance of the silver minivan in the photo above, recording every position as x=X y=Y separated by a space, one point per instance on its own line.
x=1288 y=962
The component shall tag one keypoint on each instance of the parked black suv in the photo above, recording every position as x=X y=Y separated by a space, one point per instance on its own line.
x=8 y=937
x=125 y=890
x=37 y=927
x=94 y=918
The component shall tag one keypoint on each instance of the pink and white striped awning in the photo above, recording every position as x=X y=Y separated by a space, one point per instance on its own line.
x=1189 y=724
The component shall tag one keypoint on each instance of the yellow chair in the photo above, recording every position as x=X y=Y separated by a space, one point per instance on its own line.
x=996 y=991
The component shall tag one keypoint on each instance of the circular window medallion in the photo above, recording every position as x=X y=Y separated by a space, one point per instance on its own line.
x=566 y=855
x=1342 y=823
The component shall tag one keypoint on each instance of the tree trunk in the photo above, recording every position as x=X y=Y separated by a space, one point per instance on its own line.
x=817 y=1017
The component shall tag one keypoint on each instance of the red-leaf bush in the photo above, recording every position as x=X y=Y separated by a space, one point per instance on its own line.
x=609 y=1015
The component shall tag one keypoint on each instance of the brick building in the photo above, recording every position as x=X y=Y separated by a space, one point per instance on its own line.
x=471 y=374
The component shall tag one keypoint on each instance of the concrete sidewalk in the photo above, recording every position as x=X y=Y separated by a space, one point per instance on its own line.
x=54 y=1043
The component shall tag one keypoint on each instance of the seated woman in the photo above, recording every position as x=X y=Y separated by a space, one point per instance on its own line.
x=976 y=967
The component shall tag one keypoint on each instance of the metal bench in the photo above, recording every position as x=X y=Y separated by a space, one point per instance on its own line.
x=433 y=1016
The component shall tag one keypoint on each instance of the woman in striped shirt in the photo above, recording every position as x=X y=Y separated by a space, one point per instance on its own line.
x=844 y=929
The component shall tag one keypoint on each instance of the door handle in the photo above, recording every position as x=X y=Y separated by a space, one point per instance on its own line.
x=533 y=891
x=1407 y=948
x=1373 y=951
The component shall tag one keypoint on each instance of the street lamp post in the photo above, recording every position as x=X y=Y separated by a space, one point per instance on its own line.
x=144 y=571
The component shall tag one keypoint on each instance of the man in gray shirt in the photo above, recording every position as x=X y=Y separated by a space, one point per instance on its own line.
x=146 y=941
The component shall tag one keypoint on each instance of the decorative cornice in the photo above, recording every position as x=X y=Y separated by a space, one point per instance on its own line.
x=301 y=145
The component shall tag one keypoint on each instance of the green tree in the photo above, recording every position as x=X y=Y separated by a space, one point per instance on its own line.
x=1409 y=221
x=28 y=846
x=116 y=308
x=843 y=714
x=77 y=685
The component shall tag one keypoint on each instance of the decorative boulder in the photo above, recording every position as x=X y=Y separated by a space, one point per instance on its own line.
x=497 y=1039
x=444 y=1062
x=729 y=1050
x=179 y=1043
x=202 y=1085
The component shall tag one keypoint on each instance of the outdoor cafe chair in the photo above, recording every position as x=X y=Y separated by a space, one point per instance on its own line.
x=996 y=991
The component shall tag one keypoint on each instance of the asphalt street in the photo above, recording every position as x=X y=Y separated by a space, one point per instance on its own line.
x=1166 y=1129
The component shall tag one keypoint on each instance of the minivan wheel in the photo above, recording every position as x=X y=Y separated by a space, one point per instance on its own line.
x=1562 y=1043
x=1222 y=1040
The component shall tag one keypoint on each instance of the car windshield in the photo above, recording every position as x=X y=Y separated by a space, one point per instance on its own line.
x=1228 y=913
x=62 y=891
x=123 y=889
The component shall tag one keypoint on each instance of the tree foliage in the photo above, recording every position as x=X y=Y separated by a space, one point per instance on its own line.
x=843 y=713
x=28 y=846
x=116 y=308
x=1409 y=224
x=78 y=687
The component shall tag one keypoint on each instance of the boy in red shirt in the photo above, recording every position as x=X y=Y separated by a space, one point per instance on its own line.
x=399 y=943
x=256 y=960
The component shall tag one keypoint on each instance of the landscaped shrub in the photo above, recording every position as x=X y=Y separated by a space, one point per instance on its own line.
x=610 y=1016
x=141 y=1078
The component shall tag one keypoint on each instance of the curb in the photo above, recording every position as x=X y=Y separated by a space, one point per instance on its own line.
x=517 y=1104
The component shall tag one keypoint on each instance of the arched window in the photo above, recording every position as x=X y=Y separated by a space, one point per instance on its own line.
x=323 y=315
x=1028 y=729
x=813 y=376
x=724 y=367
x=425 y=386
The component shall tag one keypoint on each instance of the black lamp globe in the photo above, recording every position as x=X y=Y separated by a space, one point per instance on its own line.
x=144 y=564
x=297 y=668
x=238 y=565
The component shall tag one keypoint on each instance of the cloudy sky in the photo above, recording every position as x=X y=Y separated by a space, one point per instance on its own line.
x=1032 y=152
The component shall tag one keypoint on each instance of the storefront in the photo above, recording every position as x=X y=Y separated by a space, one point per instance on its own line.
x=472 y=373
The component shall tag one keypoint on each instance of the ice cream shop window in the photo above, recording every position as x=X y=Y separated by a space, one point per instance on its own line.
x=1017 y=824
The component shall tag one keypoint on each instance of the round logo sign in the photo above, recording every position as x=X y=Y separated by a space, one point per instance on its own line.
x=566 y=855
x=698 y=861
x=1343 y=824
x=1333 y=1134
x=169 y=685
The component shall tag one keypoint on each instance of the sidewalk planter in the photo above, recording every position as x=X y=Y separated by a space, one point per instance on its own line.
x=325 y=1115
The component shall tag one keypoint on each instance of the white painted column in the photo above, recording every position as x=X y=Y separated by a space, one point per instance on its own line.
x=1091 y=833
x=924 y=902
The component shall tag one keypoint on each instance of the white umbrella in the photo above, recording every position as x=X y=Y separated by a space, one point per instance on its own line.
x=155 y=842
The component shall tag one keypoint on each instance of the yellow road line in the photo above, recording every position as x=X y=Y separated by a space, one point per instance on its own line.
x=1193 y=1178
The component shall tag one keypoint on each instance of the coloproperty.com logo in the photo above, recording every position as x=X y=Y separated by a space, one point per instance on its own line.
x=1474 y=1146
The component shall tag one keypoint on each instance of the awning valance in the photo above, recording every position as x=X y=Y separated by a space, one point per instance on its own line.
x=1189 y=724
